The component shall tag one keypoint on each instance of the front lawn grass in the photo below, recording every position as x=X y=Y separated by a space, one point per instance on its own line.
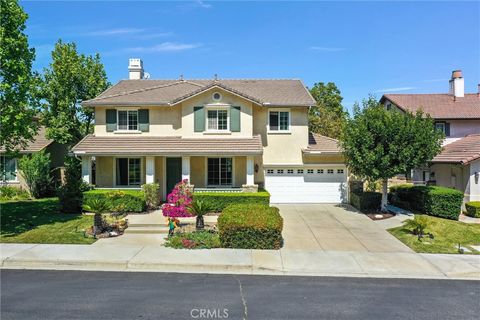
x=447 y=233
x=39 y=221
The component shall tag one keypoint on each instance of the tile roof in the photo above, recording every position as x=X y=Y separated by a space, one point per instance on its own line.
x=40 y=142
x=461 y=151
x=153 y=145
x=322 y=144
x=439 y=106
x=274 y=92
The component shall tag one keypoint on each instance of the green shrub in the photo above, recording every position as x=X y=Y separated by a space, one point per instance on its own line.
x=220 y=200
x=194 y=240
x=250 y=226
x=366 y=200
x=432 y=200
x=151 y=192
x=35 y=169
x=70 y=195
x=8 y=193
x=473 y=209
x=129 y=200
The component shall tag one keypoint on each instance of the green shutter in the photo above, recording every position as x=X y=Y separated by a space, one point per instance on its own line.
x=199 y=119
x=143 y=120
x=235 y=119
x=111 y=120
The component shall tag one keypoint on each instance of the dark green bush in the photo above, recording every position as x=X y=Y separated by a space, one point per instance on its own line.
x=366 y=200
x=128 y=200
x=35 y=169
x=70 y=195
x=473 y=209
x=432 y=200
x=250 y=226
x=220 y=200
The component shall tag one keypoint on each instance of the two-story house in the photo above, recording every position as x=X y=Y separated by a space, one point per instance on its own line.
x=457 y=114
x=218 y=134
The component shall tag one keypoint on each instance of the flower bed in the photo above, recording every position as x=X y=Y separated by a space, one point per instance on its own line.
x=194 y=240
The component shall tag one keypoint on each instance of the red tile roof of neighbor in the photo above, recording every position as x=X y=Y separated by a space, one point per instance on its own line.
x=461 y=151
x=152 y=145
x=439 y=106
x=322 y=144
x=39 y=143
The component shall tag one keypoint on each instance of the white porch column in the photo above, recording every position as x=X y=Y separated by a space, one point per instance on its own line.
x=149 y=169
x=87 y=169
x=250 y=171
x=186 y=169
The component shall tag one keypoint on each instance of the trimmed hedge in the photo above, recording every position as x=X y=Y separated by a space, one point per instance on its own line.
x=220 y=200
x=473 y=209
x=366 y=200
x=250 y=226
x=432 y=200
x=130 y=200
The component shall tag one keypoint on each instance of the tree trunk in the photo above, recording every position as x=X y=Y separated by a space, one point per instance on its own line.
x=384 y=195
x=200 y=223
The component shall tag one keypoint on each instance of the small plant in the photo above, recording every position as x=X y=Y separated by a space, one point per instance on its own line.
x=152 y=194
x=97 y=206
x=473 y=209
x=12 y=193
x=199 y=208
x=194 y=240
x=178 y=201
x=417 y=226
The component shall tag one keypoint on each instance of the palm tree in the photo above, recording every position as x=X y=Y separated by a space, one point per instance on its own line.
x=199 y=208
x=97 y=206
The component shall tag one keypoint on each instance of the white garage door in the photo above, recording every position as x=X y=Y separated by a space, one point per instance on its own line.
x=307 y=185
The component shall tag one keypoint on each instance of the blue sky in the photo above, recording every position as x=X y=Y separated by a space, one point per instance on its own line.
x=364 y=47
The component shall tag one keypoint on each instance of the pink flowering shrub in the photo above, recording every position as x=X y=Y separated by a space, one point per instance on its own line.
x=178 y=201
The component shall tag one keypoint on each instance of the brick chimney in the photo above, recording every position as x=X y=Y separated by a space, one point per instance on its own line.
x=457 y=84
x=135 y=69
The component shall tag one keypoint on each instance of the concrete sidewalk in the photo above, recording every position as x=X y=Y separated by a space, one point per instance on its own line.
x=272 y=262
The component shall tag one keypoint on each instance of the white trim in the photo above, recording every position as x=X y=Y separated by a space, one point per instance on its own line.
x=250 y=171
x=118 y=121
x=149 y=169
x=218 y=88
x=206 y=173
x=217 y=107
x=186 y=169
x=279 y=131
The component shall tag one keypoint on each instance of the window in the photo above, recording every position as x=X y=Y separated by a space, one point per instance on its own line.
x=441 y=126
x=128 y=171
x=320 y=171
x=279 y=171
x=128 y=120
x=330 y=171
x=216 y=96
x=217 y=120
x=219 y=171
x=290 y=171
x=8 y=168
x=270 y=171
x=300 y=171
x=309 y=171
x=279 y=121
x=340 y=171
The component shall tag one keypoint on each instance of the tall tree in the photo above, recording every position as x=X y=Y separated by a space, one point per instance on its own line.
x=70 y=79
x=379 y=144
x=17 y=102
x=328 y=117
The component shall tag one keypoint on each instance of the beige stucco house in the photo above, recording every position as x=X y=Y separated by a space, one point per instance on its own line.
x=219 y=134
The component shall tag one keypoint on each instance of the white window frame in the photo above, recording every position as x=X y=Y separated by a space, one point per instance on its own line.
x=118 y=120
x=221 y=185
x=216 y=107
x=128 y=173
x=16 y=172
x=279 y=131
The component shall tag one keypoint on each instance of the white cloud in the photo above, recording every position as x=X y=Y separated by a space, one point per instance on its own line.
x=115 y=32
x=202 y=4
x=326 y=49
x=394 y=89
x=166 y=47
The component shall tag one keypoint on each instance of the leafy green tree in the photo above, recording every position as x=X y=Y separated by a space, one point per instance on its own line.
x=379 y=144
x=70 y=79
x=35 y=169
x=328 y=117
x=17 y=101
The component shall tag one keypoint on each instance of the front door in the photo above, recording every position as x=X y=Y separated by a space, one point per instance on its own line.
x=174 y=172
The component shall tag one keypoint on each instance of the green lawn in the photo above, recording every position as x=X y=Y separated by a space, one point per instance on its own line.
x=39 y=221
x=446 y=234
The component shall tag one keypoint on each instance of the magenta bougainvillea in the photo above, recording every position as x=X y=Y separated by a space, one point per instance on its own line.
x=178 y=201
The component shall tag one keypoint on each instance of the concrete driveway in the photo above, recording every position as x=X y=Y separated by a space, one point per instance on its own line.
x=330 y=227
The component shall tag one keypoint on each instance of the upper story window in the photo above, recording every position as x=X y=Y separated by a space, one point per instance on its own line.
x=443 y=127
x=217 y=96
x=127 y=120
x=217 y=120
x=279 y=121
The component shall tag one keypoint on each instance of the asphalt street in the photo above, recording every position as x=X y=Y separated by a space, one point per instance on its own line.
x=37 y=294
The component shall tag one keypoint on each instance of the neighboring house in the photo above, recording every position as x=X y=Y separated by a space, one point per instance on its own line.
x=9 y=165
x=456 y=113
x=218 y=134
x=458 y=166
